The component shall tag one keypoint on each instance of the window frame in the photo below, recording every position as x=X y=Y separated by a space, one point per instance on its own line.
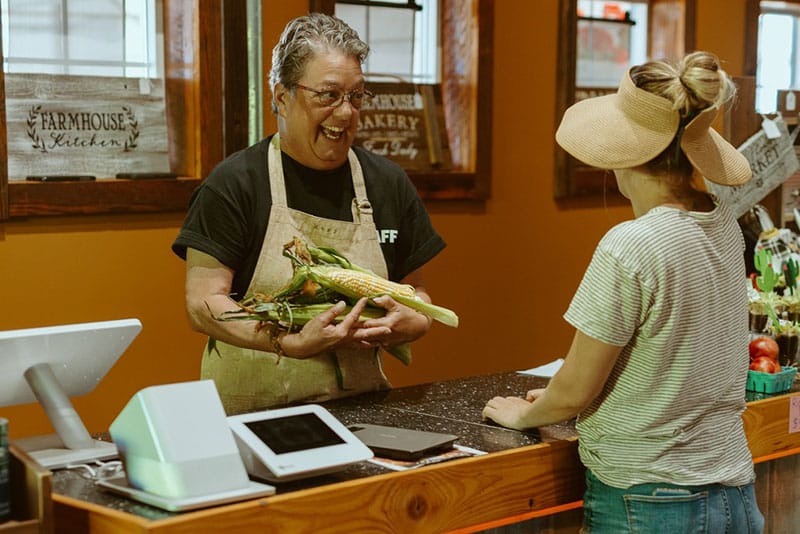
x=195 y=83
x=573 y=179
x=752 y=14
x=744 y=122
x=467 y=95
x=206 y=84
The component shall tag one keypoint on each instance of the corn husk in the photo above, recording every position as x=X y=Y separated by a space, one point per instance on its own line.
x=320 y=279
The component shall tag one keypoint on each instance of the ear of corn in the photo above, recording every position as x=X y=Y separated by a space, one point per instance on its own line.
x=443 y=315
x=357 y=284
x=300 y=300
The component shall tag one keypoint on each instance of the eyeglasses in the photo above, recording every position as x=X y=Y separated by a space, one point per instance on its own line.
x=333 y=98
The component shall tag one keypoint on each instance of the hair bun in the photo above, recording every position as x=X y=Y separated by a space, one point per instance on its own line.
x=693 y=84
x=708 y=85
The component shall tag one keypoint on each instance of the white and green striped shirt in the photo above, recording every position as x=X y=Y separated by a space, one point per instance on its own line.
x=670 y=288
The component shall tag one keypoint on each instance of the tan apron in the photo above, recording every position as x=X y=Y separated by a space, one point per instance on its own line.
x=249 y=380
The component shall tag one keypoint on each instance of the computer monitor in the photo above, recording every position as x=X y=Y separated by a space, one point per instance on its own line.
x=52 y=364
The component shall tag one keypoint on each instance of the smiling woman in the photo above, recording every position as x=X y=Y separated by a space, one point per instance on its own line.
x=305 y=182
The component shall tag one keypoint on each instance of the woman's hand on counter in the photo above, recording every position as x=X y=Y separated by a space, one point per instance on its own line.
x=581 y=378
x=510 y=412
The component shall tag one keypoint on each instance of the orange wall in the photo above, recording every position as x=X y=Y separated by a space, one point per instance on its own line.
x=509 y=270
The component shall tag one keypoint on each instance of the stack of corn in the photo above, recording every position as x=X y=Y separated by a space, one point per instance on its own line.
x=323 y=277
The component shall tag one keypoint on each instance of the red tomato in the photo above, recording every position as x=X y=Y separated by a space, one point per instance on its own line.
x=764 y=346
x=765 y=364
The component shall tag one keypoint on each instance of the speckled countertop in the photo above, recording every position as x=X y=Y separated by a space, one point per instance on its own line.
x=452 y=407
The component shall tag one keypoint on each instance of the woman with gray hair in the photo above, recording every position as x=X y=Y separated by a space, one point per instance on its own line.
x=659 y=426
x=306 y=181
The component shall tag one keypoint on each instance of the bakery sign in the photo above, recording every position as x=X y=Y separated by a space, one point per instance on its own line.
x=84 y=125
x=405 y=123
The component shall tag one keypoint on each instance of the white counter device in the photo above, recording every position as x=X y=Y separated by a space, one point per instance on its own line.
x=295 y=442
x=177 y=450
x=52 y=364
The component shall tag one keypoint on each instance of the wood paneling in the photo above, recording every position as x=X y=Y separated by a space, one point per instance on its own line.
x=438 y=498
x=778 y=492
x=3 y=146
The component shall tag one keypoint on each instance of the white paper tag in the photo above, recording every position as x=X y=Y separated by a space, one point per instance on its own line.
x=144 y=86
x=547 y=370
x=791 y=101
x=794 y=414
x=770 y=128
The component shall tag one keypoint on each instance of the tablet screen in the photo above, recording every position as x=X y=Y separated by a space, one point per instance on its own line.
x=294 y=433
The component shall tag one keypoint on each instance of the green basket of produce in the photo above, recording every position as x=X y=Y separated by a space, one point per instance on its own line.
x=771 y=382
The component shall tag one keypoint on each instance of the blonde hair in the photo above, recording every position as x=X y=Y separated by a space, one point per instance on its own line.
x=694 y=83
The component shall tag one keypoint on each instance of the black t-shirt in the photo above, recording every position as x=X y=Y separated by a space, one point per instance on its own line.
x=229 y=212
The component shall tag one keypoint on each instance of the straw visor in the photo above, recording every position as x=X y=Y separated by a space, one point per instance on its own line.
x=633 y=126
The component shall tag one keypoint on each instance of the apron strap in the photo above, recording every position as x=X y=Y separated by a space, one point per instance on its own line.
x=277 y=187
x=361 y=207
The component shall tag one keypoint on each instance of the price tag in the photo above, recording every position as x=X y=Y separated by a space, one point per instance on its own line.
x=791 y=101
x=145 y=86
x=770 y=128
x=794 y=414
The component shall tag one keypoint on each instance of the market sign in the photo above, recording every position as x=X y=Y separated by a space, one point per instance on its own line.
x=405 y=123
x=84 y=125
x=772 y=159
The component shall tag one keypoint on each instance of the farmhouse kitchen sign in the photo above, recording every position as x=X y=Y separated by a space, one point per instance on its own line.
x=405 y=123
x=84 y=125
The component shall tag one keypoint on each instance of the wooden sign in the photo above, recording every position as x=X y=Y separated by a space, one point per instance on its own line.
x=85 y=125
x=405 y=123
x=772 y=162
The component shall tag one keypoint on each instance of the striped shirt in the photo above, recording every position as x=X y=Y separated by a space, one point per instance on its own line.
x=670 y=288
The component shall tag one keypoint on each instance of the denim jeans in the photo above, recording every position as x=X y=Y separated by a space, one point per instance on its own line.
x=670 y=509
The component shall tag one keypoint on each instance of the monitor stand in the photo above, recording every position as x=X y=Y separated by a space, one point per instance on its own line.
x=72 y=443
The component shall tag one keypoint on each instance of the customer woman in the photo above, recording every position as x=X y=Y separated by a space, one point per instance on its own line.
x=657 y=368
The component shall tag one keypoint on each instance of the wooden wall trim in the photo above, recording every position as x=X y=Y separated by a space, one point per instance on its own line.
x=3 y=143
x=235 y=67
x=750 y=41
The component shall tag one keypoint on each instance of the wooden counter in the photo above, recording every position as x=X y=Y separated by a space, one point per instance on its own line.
x=525 y=475
x=774 y=440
